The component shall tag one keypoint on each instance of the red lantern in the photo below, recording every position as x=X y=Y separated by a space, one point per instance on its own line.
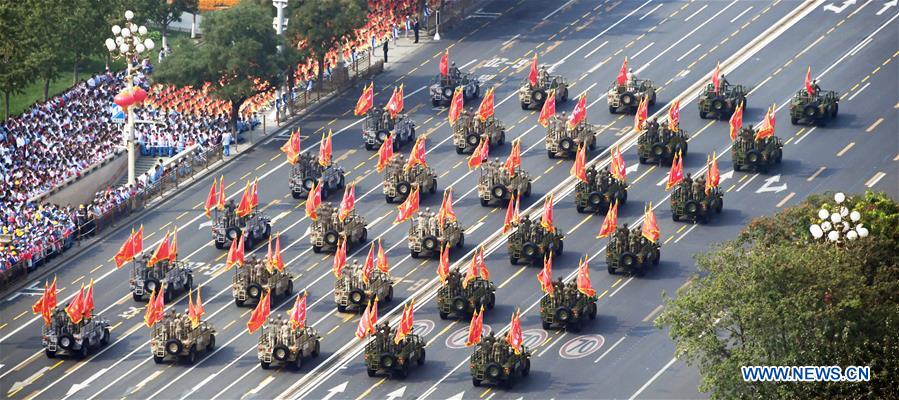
x=139 y=95
x=124 y=99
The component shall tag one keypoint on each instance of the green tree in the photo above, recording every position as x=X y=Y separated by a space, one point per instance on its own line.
x=775 y=296
x=238 y=52
x=15 y=46
x=86 y=24
x=163 y=13
x=43 y=24
x=322 y=25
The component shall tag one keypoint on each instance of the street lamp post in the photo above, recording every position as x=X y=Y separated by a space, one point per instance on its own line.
x=128 y=42
x=280 y=26
x=838 y=225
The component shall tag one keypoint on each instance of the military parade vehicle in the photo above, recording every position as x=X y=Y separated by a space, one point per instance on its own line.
x=817 y=109
x=455 y=300
x=750 y=154
x=175 y=338
x=626 y=98
x=227 y=226
x=469 y=131
x=724 y=102
x=427 y=237
x=63 y=337
x=379 y=124
x=328 y=229
x=563 y=142
x=252 y=280
x=659 y=144
x=494 y=362
x=689 y=201
x=352 y=293
x=307 y=171
x=442 y=87
x=535 y=96
x=175 y=276
x=280 y=344
x=529 y=241
x=384 y=356
x=398 y=183
x=567 y=307
x=495 y=184
x=629 y=251
x=599 y=192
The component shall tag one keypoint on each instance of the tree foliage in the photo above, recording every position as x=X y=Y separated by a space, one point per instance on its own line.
x=15 y=61
x=321 y=25
x=163 y=13
x=238 y=54
x=774 y=296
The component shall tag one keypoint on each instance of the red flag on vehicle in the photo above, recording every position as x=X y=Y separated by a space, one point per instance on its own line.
x=650 y=228
x=619 y=171
x=515 y=337
x=443 y=267
x=583 y=279
x=195 y=311
x=408 y=208
x=162 y=251
x=291 y=148
x=260 y=313
x=383 y=263
x=579 y=114
x=548 y=110
x=547 y=219
x=126 y=252
x=532 y=74
x=736 y=122
x=642 y=114
x=511 y=214
x=298 y=312
x=808 y=82
x=475 y=328
x=716 y=78
x=221 y=202
x=235 y=253
x=210 y=201
x=365 y=326
x=417 y=155
x=676 y=173
x=406 y=322
x=456 y=105
x=446 y=212
x=485 y=110
x=610 y=223
x=385 y=153
x=545 y=276
x=369 y=265
x=87 y=306
x=514 y=160
x=324 y=150
x=395 y=104
x=622 y=73
x=339 y=258
x=766 y=128
x=75 y=308
x=479 y=155
x=674 y=116
x=444 y=64
x=712 y=175
x=254 y=194
x=244 y=207
x=348 y=203
x=313 y=200
x=173 y=245
x=579 y=168
x=366 y=100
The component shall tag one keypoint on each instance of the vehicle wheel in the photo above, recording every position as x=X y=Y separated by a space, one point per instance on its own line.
x=66 y=341
x=498 y=192
x=563 y=314
x=674 y=216
x=298 y=363
x=219 y=245
x=794 y=120
x=702 y=115
x=371 y=372
x=50 y=354
x=611 y=269
x=104 y=340
x=539 y=96
x=211 y=345
x=485 y=202
x=643 y=160
x=513 y=259
x=389 y=294
x=529 y=250
x=192 y=356
x=461 y=240
x=435 y=103
x=777 y=155
x=444 y=315
x=414 y=254
x=316 y=249
x=331 y=238
x=491 y=301
x=475 y=382
x=364 y=235
x=658 y=150
x=173 y=347
x=357 y=297
x=459 y=304
x=433 y=186
x=254 y=291
x=565 y=95
x=389 y=199
x=550 y=154
x=448 y=92
x=546 y=325
x=527 y=192
x=524 y=106
x=567 y=145
x=280 y=352
x=341 y=308
x=158 y=360
x=527 y=368
x=239 y=302
x=289 y=290
x=430 y=243
x=691 y=207
x=810 y=111
x=627 y=99
x=494 y=371
x=592 y=313
x=232 y=233
x=580 y=208
x=627 y=260
x=718 y=105
x=264 y=365
x=612 y=110
x=421 y=359
x=190 y=283
x=652 y=99
x=317 y=349
x=403 y=188
x=753 y=157
x=460 y=150
x=473 y=139
x=136 y=296
x=835 y=110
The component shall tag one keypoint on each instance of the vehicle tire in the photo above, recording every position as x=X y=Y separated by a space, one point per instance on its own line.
x=364 y=236
x=367 y=147
x=316 y=249
x=82 y=352
x=652 y=99
x=595 y=199
x=388 y=361
x=341 y=308
x=579 y=208
x=173 y=347
x=718 y=205
x=563 y=314
x=499 y=192
x=567 y=145
x=472 y=139
x=297 y=195
x=777 y=155
x=211 y=345
x=475 y=382
x=298 y=363
x=433 y=186
x=547 y=325
x=158 y=360
x=49 y=353
x=239 y=302
x=461 y=243
x=691 y=207
x=280 y=352
x=674 y=216
x=539 y=96
x=66 y=341
x=264 y=365
x=381 y=135
x=527 y=367
x=627 y=99
x=317 y=349
x=435 y=103
x=611 y=269
x=627 y=259
x=524 y=106
x=502 y=138
x=448 y=92
x=459 y=304
x=356 y=297
x=371 y=373
x=331 y=238
x=232 y=233
x=491 y=301
x=444 y=315
x=389 y=296
x=150 y=285
x=460 y=150
x=592 y=313
x=421 y=359
x=794 y=120
x=414 y=254
x=643 y=160
x=513 y=260
x=136 y=297
x=254 y=291
x=835 y=110
x=612 y=110
x=529 y=250
x=403 y=188
x=658 y=150
x=430 y=243
x=565 y=95
x=753 y=157
x=493 y=370
x=718 y=105
x=810 y=111
x=289 y=290
x=702 y=115
x=190 y=283
x=527 y=192
x=104 y=340
x=485 y=203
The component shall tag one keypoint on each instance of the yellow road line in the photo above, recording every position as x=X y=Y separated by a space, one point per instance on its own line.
x=367 y=391
x=442 y=331
x=845 y=149
x=520 y=270
x=786 y=199
x=874 y=125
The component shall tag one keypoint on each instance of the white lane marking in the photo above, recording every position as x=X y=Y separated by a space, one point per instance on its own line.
x=859 y=90
x=650 y=12
x=688 y=52
x=740 y=14
x=642 y=50
x=685 y=234
x=804 y=135
x=697 y=12
x=596 y=49
x=654 y=377
x=610 y=349
x=603 y=32
x=625 y=282
x=874 y=179
x=469 y=63
x=510 y=40
x=557 y=10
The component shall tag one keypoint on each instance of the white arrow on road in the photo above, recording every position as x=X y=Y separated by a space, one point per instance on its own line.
x=767 y=187
x=20 y=384
x=335 y=390
x=839 y=9
x=887 y=5
x=78 y=386
x=204 y=224
x=457 y=396
x=632 y=169
x=725 y=176
x=396 y=393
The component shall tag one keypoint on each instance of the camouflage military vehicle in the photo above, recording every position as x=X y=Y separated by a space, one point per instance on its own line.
x=495 y=185
x=176 y=276
x=536 y=95
x=227 y=227
x=251 y=281
x=351 y=293
x=529 y=241
x=469 y=131
x=378 y=124
x=567 y=307
x=755 y=155
x=599 y=192
x=427 y=237
x=453 y=299
x=494 y=362
x=63 y=337
x=280 y=344
x=659 y=144
x=307 y=171
x=564 y=143
x=174 y=337
x=721 y=104
x=626 y=98
x=328 y=229
x=442 y=87
x=399 y=183
x=384 y=356
x=818 y=109
x=631 y=252
x=689 y=201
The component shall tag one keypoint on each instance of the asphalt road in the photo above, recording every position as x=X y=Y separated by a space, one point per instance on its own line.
x=676 y=44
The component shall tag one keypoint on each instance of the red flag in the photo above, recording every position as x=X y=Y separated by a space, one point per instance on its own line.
x=126 y=252
x=579 y=114
x=473 y=270
x=408 y=208
x=514 y=160
x=736 y=122
x=244 y=207
x=485 y=110
x=75 y=308
x=547 y=219
x=579 y=168
x=291 y=148
x=162 y=252
x=619 y=171
x=254 y=194
x=676 y=173
x=641 y=115
x=610 y=223
x=511 y=214
x=373 y=315
x=514 y=337
x=766 y=128
x=87 y=305
x=482 y=264
x=369 y=265
x=324 y=150
x=444 y=63
x=366 y=100
x=298 y=312
x=532 y=75
x=50 y=301
x=456 y=105
x=150 y=313
x=405 y=326
x=221 y=202
x=712 y=175
x=260 y=313
x=339 y=258
x=622 y=73
x=808 y=82
x=348 y=203
x=479 y=155
x=235 y=254
x=173 y=245
x=383 y=263
x=548 y=110
x=194 y=311
x=417 y=155
x=443 y=267
x=716 y=78
x=210 y=201
x=39 y=307
x=365 y=326
x=385 y=153
x=545 y=276
x=313 y=200
x=475 y=328
x=650 y=228
x=583 y=279
x=674 y=116
x=446 y=212
x=395 y=104
x=273 y=259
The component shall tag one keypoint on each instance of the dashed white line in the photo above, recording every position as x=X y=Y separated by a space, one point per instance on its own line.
x=859 y=90
x=688 y=52
x=650 y=12
x=596 y=49
x=874 y=179
x=557 y=10
x=654 y=377
x=610 y=349
x=740 y=14
x=642 y=50
x=697 y=12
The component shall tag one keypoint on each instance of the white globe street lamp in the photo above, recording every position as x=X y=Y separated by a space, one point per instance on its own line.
x=838 y=225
